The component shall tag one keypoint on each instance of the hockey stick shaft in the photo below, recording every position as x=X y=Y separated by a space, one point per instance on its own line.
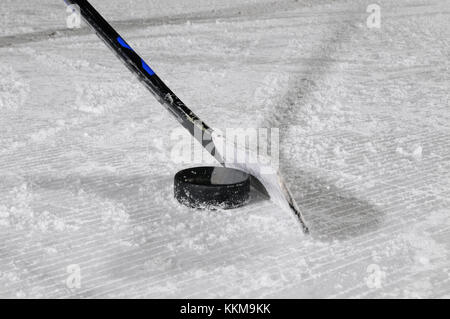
x=146 y=75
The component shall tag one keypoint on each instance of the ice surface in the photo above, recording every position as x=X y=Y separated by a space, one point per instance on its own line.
x=86 y=173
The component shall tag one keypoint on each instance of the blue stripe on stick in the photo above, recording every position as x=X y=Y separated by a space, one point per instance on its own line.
x=147 y=68
x=144 y=65
x=123 y=43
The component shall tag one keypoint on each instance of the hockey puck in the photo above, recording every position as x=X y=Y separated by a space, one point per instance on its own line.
x=212 y=187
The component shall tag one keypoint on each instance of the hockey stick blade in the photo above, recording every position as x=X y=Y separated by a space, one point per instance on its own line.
x=270 y=178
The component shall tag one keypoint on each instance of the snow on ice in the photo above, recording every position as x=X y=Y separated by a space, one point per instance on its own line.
x=86 y=173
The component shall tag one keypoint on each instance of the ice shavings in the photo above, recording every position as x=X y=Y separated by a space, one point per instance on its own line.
x=19 y=214
x=13 y=89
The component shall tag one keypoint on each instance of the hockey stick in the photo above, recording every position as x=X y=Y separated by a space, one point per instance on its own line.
x=210 y=139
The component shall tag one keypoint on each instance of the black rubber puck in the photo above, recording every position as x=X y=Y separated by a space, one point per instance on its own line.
x=212 y=187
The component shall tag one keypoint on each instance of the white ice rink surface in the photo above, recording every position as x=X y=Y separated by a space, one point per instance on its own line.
x=364 y=116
